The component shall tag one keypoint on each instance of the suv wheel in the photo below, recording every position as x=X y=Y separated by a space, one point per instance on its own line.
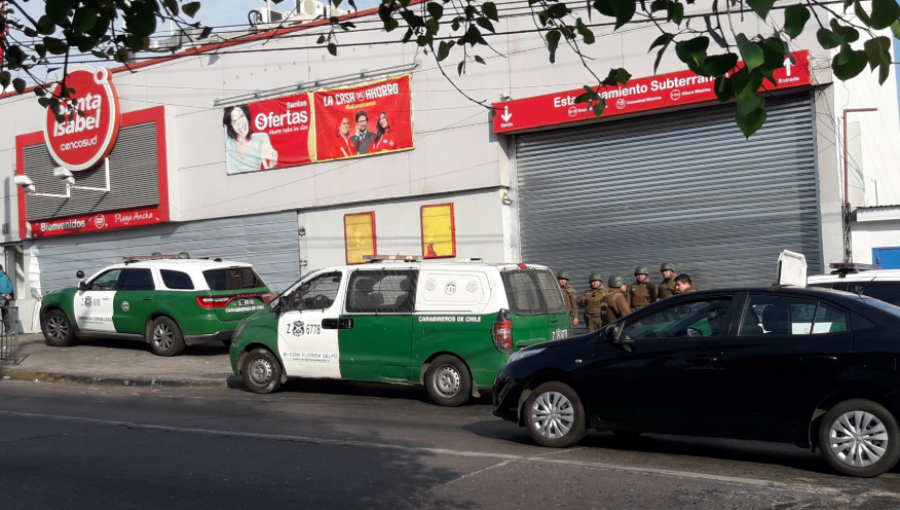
x=448 y=381
x=860 y=438
x=261 y=372
x=58 y=330
x=165 y=337
x=554 y=415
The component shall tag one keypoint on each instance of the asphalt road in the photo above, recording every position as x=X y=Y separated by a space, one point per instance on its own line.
x=356 y=446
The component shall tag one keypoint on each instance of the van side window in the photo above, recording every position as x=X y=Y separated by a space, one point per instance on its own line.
x=523 y=293
x=318 y=293
x=385 y=291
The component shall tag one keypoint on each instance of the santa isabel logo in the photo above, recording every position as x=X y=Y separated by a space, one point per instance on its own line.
x=88 y=130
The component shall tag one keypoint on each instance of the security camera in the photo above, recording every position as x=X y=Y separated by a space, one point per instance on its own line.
x=24 y=181
x=64 y=174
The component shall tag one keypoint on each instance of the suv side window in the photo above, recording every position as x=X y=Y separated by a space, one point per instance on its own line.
x=106 y=281
x=385 y=291
x=786 y=315
x=136 y=279
x=703 y=318
x=176 y=280
x=318 y=293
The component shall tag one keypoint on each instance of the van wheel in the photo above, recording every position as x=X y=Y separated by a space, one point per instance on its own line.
x=554 y=415
x=165 y=337
x=261 y=372
x=448 y=381
x=58 y=330
x=860 y=438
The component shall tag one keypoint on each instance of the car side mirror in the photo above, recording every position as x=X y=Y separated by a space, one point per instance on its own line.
x=82 y=285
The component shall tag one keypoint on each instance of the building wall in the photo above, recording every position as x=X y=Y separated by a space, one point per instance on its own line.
x=479 y=219
x=881 y=234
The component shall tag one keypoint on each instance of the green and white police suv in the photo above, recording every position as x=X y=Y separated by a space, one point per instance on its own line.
x=447 y=325
x=167 y=301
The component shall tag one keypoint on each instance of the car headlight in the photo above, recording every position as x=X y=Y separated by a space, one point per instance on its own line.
x=516 y=356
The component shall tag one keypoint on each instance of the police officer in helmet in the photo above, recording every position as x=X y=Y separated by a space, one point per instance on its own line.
x=615 y=305
x=667 y=287
x=642 y=292
x=590 y=301
x=569 y=296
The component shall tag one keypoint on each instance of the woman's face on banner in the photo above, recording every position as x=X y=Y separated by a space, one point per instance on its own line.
x=239 y=122
x=382 y=120
x=344 y=128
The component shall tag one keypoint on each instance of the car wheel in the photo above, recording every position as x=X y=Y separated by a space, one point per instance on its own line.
x=554 y=415
x=448 y=381
x=58 y=330
x=261 y=372
x=165 y=337
x=860 y=438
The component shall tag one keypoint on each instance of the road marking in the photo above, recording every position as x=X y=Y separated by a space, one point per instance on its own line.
x=504 y=458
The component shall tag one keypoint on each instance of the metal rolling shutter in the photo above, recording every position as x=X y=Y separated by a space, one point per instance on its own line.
x=268 y=241
x=133 y=178
x=683 y=187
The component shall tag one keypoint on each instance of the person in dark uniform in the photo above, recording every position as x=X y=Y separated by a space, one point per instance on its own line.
x=569 y=296
x=683 y=284
x=642 y=292
x=614 y=304
x=590 y=301
x=667 y=287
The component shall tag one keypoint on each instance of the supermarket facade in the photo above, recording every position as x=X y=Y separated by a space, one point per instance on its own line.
x=271 y=151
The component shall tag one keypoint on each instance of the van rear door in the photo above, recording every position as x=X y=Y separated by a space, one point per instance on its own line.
x=536 y=306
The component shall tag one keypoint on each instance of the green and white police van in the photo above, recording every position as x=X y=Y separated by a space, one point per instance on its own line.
x=449 y=326
x=167 y=301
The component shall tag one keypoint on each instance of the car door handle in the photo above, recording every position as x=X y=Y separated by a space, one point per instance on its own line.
x=148 y=299
x=704 y=360
x=819 y=360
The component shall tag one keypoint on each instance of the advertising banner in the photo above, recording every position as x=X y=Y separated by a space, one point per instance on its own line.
x=638 y=95
x=363 y=120
x=96 y=222
x=319 y=126
x=268 y=134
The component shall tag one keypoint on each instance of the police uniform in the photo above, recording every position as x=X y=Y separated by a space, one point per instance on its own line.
x=571 y=301
x=641 y=293
x=667 y=287
x=590 y=301
x=614 y=304
x=689 y=289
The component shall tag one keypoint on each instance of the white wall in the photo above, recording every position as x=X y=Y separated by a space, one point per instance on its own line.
x=479 y=221
x=882 y=234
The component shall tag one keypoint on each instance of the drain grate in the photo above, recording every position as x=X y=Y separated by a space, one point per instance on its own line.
x=13 y=361
x=217 y=375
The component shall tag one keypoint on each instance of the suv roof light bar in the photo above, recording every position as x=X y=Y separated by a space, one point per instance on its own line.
x=392 y=258
x=843 y=268
x=157 y=256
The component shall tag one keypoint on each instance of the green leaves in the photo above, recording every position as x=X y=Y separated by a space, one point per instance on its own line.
x=436 y=10
x=751 y=122
x=622 y=10
x=884 y=13
x=828 y=39
x=848 y=63
x=490 y=10
x=190 y=8
x=586 y=34
x=55 y=46
x=878 y=53
x=693 y=52
x=552 y=44
x=761 y=7
x=795 y=18
x=20 y=85
x=444 y=50
x=5 y=79
x=751 y=52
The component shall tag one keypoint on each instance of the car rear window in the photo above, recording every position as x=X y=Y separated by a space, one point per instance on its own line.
x=233 y=278
x=176 y=280
x=532 y=292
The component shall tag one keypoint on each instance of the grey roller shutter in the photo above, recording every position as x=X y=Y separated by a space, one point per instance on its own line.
x=683 y=187
x=133 y=178
x=268 y=241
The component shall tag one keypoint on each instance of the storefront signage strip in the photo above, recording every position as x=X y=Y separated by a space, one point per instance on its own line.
x=639 y=95
x=96 y=222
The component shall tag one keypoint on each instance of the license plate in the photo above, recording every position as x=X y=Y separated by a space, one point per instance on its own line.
x=245 y=302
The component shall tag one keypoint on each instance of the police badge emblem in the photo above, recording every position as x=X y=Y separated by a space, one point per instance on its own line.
x=298 y=328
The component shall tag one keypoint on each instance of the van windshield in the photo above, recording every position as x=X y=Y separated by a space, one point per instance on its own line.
x=533 y=292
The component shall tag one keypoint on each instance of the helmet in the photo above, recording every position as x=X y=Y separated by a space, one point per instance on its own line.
x=667 y=266
x=615 y=281
x=640 y=270
x=562 y=275
x=595 y=277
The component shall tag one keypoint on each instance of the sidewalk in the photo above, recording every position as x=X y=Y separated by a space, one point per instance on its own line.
x=119 y=363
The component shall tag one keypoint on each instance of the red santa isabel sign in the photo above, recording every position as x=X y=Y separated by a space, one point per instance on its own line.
x=638 y=95
x=92 y=124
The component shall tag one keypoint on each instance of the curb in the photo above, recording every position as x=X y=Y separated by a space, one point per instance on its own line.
x=26 y=375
